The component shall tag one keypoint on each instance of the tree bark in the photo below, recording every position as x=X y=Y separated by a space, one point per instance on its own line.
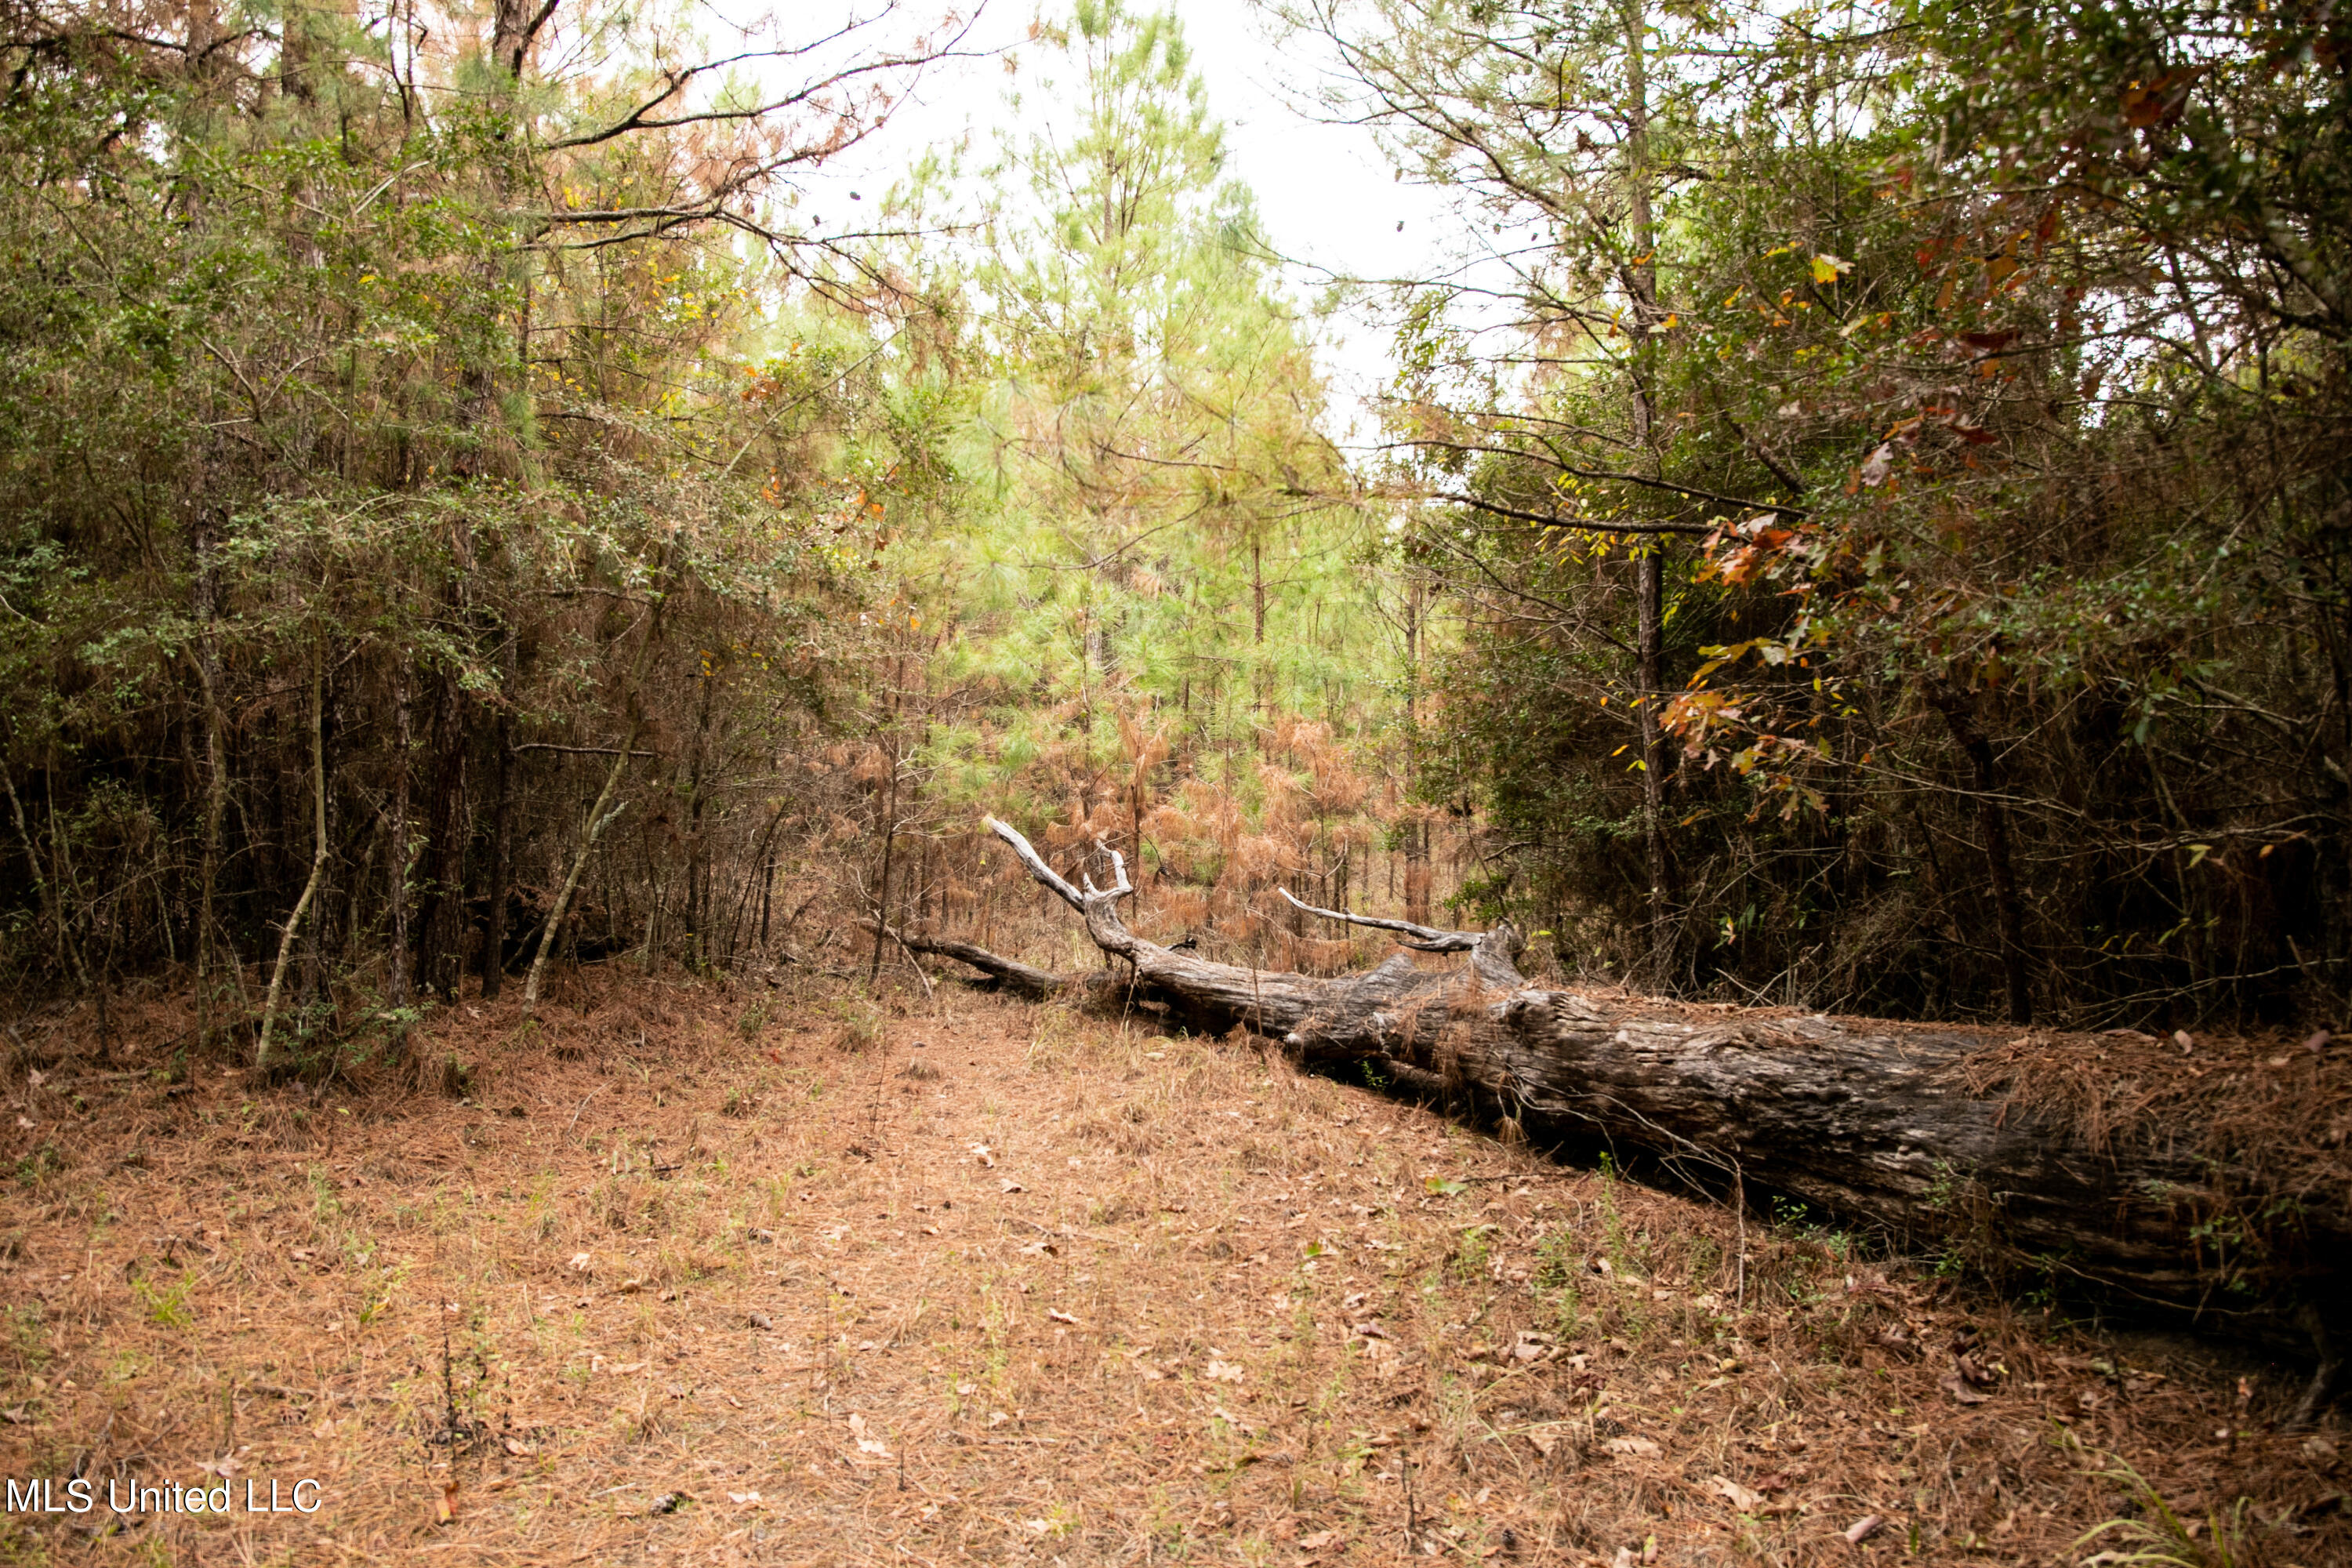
x=501 y=870
x=1901 y=1128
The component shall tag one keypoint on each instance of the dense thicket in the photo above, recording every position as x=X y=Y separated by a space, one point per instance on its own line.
x=1902 y=537
x=403 y=491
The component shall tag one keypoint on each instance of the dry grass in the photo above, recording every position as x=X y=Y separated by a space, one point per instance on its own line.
x=1044 y=1288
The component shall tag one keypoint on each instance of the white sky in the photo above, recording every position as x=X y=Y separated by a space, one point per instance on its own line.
x=1327 y=194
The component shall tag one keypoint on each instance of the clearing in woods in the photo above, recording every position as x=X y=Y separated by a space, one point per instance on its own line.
x=709 y=1275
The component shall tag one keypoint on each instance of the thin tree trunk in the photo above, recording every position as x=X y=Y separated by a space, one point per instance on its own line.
x=50 y=909
x=441 y=917
x=494 y=922
x=1650 y=591
x=204 y=589
x=697 y=854
x=396 y=983
x=1416 y=826
x=318 y=858
x=889 y=825
x=882 y=892
x=2009 y=909
x=589 y=831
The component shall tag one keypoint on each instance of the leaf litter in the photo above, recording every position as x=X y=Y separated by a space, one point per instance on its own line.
x=686 y=1323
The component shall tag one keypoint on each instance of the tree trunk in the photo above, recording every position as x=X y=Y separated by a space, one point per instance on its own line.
x=1651 y=592
x=2008 y=909
x=396 y=979
x=501 y=873
x=441 y=911
x=1904 y=1128
x=318 y=856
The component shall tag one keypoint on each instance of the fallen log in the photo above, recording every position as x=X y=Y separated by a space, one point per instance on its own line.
x=1944 y=1139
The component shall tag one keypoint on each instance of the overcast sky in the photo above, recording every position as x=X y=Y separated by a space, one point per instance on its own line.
x=1328 y=195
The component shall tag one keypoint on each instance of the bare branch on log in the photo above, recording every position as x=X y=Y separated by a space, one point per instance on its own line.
x=1426 y=939
x=1025 y=979
x=1036 y=862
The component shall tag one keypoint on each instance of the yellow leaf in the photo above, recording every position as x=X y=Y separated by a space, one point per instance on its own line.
x=1827 y=268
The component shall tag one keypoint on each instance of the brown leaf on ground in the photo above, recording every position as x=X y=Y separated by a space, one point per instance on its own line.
x=1953 y=1384
x=1735 y=1494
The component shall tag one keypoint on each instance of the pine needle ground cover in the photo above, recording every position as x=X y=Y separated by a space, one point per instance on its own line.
x=754 y=1275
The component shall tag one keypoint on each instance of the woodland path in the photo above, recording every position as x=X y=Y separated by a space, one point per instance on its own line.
x=749 y=1277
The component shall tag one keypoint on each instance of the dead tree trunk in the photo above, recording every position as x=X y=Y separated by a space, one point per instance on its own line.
x=1901 y=1127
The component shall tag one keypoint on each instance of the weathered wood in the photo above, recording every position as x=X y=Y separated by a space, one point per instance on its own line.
x=1021 y=979
x=1873 y=1122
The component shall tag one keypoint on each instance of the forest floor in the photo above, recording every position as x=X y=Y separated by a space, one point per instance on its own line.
x=711 y=1274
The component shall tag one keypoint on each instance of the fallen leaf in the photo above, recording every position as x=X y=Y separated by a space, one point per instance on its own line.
x=1223 y=1370
x=1041 y=1248
x=761 y=1320
x=1863 y=1528
x=1735 y=1494
x=1317 y=1541
x=1009 y=1186
x=1060 y=1317
x=582 y=1263
x=752 y=1500
x=1543 y=1443
x=1634 y=1447
x=444 y=1507
x=983 y=1153
x=1953 y=1384
x=521 y=1449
